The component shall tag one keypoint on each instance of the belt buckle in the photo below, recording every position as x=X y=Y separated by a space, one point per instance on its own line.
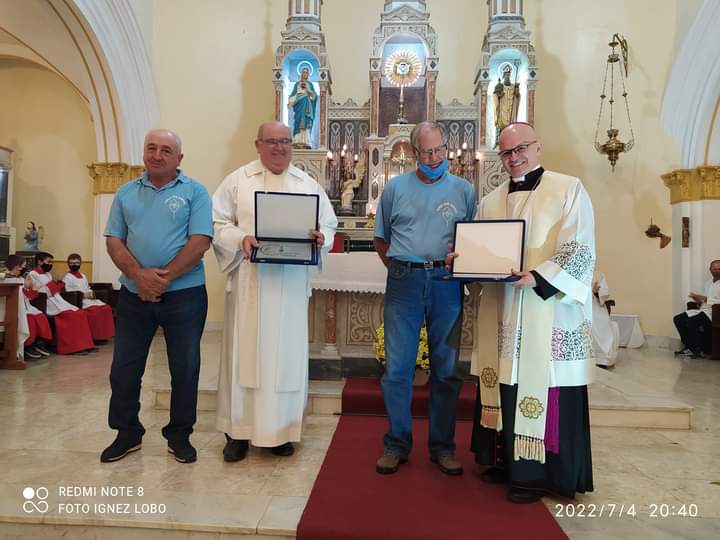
x=428 y=265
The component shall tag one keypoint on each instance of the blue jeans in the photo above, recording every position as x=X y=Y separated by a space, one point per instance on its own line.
x=411 y=298
x=181 y=314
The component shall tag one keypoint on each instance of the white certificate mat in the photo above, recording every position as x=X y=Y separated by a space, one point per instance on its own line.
x=291 y=216
x=289 y=251
x=488 y=249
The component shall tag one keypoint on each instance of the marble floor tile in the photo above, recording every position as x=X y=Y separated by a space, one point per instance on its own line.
x=53 y=418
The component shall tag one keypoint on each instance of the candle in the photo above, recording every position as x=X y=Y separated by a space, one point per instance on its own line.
x=464 y=146
x=356 y=158
x=452 y=155
x=330 y=155
x=478 y=156
x=459 y=153
x=344 y=147
x=342 y=154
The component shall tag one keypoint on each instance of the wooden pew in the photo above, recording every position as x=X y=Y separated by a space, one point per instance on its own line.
x=8 y=355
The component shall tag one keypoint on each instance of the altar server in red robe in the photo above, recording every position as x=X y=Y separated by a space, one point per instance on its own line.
x=99 y=314
x=72 y=332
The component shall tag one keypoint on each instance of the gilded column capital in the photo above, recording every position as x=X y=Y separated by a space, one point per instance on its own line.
x=698 y=184
x=109 y=176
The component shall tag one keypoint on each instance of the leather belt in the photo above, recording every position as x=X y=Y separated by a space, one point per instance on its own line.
x=427 y=265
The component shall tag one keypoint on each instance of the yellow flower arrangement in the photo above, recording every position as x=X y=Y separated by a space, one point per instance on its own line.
x=422 y=360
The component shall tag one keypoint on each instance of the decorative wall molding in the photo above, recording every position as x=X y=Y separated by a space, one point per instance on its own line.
x=698 y=184
x=349 y=111
x=109 y=177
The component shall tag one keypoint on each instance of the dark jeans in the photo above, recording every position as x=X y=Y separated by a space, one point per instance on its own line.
x=411 y=298
x=181 y=314
x=695 y=332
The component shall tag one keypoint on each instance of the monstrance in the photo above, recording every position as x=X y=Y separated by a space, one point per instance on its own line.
x=402 y=68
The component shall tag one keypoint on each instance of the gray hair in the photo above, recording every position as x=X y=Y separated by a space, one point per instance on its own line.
x=164 y=131
x=422 y=126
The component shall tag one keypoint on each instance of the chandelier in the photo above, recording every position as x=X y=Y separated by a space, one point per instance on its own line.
x=613 y=147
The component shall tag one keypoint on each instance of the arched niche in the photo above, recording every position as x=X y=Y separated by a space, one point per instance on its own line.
x=518 y=63
x=292 y=66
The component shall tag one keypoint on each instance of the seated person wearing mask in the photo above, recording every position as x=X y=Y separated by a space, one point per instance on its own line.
x=99 y=314
x=38 y=326
x=72 y=332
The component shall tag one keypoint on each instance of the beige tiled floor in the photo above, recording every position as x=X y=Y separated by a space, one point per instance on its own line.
x=53 y=426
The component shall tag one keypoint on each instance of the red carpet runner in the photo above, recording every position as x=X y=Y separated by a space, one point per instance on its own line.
x=350 y=501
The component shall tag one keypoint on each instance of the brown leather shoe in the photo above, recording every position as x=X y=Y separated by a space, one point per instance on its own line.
x=389 y=463
x=448 y=464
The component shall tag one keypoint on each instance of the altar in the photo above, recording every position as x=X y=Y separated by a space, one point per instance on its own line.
x=347 y=308
x=354 y=149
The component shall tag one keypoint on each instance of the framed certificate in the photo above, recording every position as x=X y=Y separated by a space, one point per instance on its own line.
x=283 y=228
x=489 y=250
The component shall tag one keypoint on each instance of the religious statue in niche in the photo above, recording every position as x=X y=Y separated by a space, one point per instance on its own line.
x=32 y=237
x=302 y=100
x=506 y=100
x=350 y=185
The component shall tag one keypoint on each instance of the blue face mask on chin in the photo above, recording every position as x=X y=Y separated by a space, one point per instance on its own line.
x=433 y=173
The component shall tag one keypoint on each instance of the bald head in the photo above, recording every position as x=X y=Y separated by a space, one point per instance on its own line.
x=273 y=126
x=167 y=134
x=273 y=145
x=162 y=154
x=519 y=149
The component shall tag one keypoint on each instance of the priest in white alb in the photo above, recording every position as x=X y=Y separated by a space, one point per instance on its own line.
x=263 y=377
x=533 y=350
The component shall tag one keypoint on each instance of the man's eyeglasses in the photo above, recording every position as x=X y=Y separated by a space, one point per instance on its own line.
x=276 y=142
x=519 y=149
x=438 y=150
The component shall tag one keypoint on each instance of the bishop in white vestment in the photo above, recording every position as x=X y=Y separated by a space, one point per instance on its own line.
x=533 y=352
x=263 y=378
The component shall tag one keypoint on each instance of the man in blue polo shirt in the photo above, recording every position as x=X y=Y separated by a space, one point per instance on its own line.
x=160 y=226
x=415 y=222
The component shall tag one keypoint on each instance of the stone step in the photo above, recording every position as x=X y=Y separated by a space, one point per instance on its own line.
x=608 y=406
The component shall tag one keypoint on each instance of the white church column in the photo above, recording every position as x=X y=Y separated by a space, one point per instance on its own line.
x=689 y=113
x=107 y=178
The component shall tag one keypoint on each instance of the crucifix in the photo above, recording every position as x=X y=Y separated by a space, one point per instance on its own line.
x=401 y=160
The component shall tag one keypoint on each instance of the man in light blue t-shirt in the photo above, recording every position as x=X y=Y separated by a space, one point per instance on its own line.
x=159 y=227
x=414 y=224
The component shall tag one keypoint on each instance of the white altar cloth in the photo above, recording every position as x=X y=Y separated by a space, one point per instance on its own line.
x=631 y=335
x=360 y=271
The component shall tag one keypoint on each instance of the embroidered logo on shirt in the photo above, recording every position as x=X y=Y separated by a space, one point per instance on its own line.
x=174 y=203
x=448 y=211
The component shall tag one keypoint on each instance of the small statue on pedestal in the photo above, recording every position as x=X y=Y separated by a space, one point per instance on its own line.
x=506 y=100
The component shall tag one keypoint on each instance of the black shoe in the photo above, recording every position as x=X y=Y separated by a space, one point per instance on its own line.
x=524 y=496
x=494 y=475
x=119 y=449
x=184 y=452
x=235 y=449
x=31 y=353
x=40 y=347
x=684 y=352
x=284 y=450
